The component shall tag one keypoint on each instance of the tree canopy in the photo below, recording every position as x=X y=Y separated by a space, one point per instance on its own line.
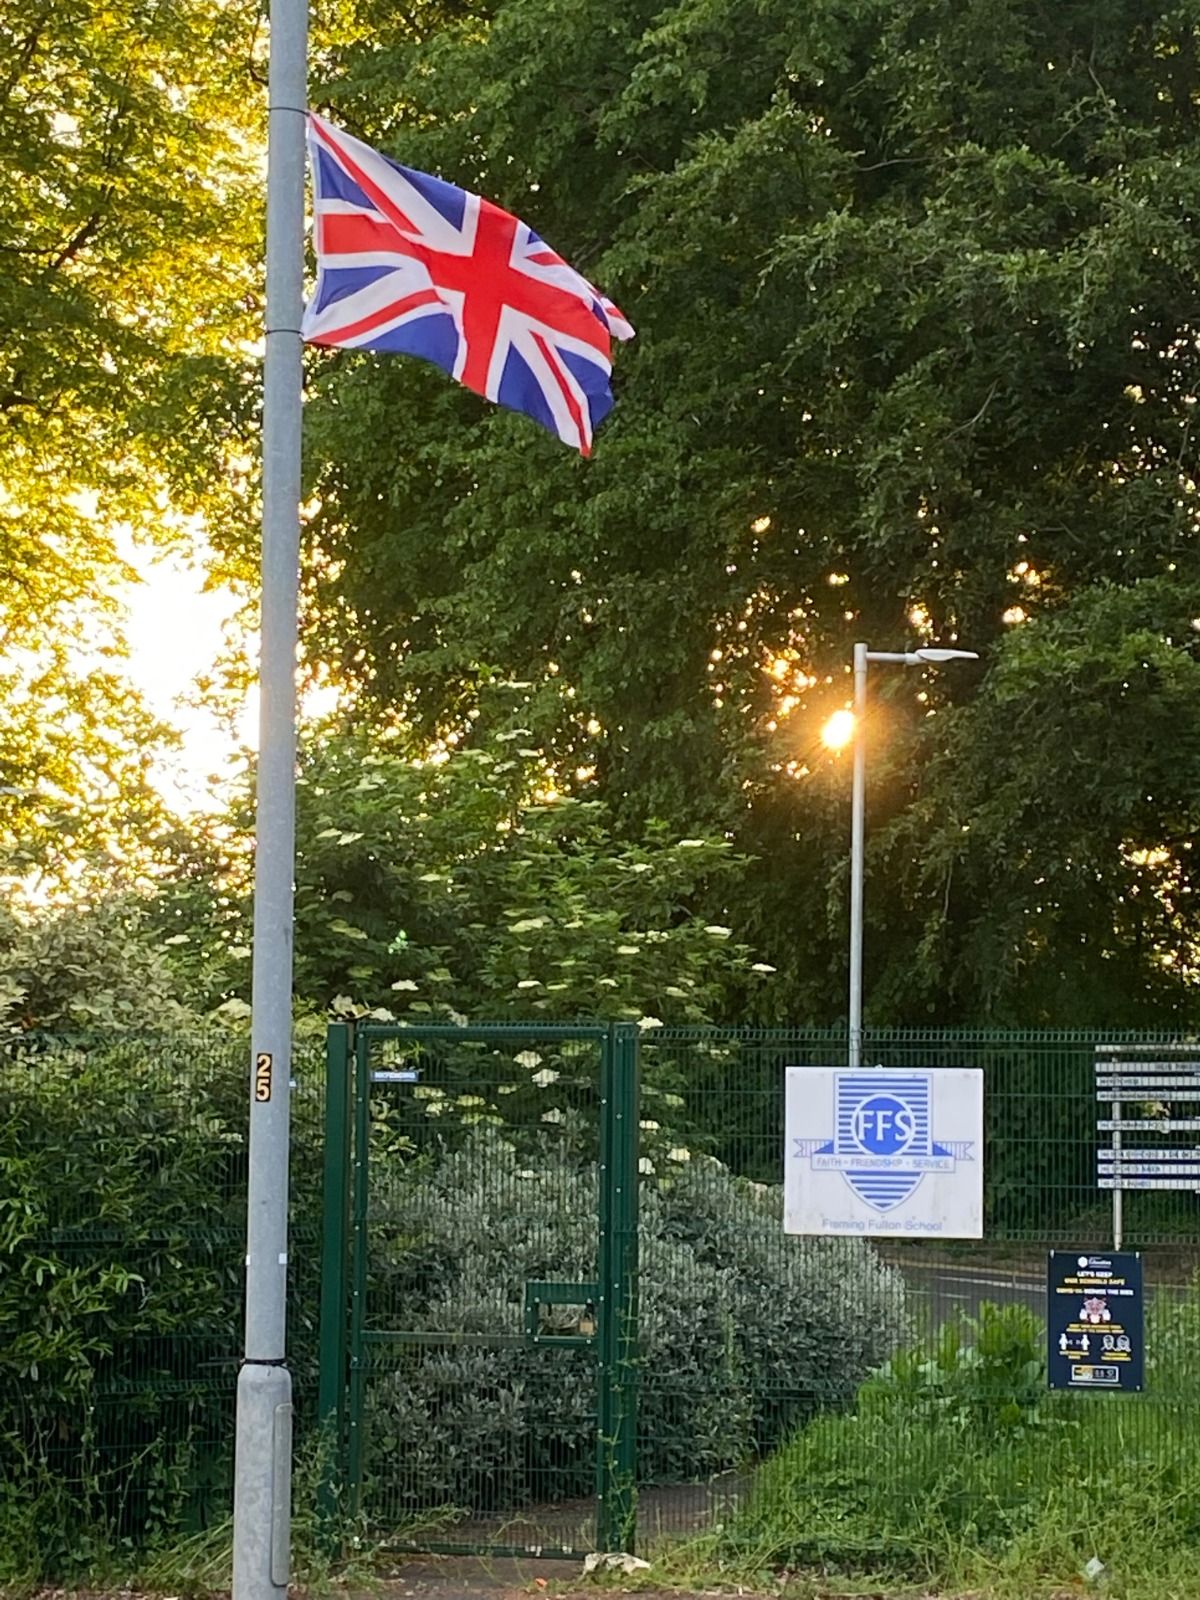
x=127 y=300
x=914 y=286
x=464 y=885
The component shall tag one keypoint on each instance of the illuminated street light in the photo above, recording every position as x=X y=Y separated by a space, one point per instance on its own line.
x=838 y=730
x=862 y=655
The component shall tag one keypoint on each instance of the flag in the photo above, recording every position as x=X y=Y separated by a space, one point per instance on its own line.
x=409 y=262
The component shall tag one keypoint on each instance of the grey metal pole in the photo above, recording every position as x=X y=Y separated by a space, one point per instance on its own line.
x=857 y=811
x=263 y=1470
x=863 y=654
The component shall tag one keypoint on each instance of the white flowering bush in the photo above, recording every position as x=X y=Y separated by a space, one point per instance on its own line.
x=743 y=1331
x=468 y=886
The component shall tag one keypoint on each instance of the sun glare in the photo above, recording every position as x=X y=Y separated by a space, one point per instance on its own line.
x=838 y=730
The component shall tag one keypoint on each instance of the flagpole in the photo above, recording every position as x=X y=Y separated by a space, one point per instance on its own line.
x=263 y=1468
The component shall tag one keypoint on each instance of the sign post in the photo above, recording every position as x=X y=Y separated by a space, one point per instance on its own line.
x=1167 y=1078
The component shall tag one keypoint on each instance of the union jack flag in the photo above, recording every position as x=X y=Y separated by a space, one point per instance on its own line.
x=409 y=262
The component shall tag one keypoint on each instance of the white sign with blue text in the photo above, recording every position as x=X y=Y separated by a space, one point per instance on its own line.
x=885 y=1152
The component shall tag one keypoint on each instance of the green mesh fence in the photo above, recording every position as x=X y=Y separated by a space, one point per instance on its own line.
x=465 y=1233
x=475 y=1243
x=122 y=1236
x=958 y=1324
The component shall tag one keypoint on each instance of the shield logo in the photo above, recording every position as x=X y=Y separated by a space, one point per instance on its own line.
x=882 y=1132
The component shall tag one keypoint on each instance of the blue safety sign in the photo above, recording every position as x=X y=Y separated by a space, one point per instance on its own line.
x=1095 y=1323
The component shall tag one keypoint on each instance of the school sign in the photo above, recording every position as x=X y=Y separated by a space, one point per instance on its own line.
x=884 y=1151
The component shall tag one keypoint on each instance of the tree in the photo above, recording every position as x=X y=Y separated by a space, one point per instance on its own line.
x=1056 y=822
x=462 y=886
x=914 y=286
x=96 y=969
x=128 y=232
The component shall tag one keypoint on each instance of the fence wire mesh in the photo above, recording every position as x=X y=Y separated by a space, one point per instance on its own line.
x=122 y=1238
x=772 y=1371
x=476 y=1193
x=955 y=1328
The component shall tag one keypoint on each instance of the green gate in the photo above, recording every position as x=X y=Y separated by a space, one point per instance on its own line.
x=479 y=1285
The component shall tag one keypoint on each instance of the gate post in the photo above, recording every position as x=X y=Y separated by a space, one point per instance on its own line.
x=360 y=1198
x=335 y=1245
x=616 y=1464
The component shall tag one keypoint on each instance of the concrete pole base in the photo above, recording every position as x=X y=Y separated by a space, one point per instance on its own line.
x=262 y=1492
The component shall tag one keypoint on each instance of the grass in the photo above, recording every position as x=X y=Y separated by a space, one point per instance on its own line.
x=958 y=1472
x=87 y=1550
x=708 y=1572
x=1016 y=1507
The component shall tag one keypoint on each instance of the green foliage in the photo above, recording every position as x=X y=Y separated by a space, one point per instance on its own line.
x=914 y=291
x=742 y=1331
x=465 y=886
x=128 y=226
x=958 y=1467
x=984 y=1374
x=77 y=798
x=1093 y=803
x=86 y=968
x=200 y=1563
x=53 y=1525
x=122 y=1227
x=124 y=286
x=122 y=1167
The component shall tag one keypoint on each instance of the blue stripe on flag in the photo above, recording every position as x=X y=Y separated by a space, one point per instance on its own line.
x=520 y=391
x=336 y=283
x=334 y=184
x=593 y=380
x=442 y=196
x=432 y=336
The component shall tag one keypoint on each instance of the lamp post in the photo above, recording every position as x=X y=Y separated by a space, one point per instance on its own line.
x=863 y=655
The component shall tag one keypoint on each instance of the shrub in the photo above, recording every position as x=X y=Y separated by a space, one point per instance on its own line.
x=122 y=1213
x=743 y=1331
x=986 y=1373
x=122 y=1237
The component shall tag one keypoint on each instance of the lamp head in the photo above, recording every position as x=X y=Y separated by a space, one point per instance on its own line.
x=937 y=655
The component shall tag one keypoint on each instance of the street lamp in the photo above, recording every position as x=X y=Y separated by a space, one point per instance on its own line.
x=862 y=655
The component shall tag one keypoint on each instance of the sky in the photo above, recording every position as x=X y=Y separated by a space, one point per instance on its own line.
x=176 y=630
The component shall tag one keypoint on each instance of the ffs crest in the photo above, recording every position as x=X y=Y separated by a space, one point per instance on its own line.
x=883 y=1143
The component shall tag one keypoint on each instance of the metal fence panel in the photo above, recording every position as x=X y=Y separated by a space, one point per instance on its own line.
x=1043 y=1189
x=480 y=1342
x=123 y=1223
x=457 y=1261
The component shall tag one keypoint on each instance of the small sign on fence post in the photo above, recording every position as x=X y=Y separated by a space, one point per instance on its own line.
x=1095 y=1323
x=885 y=1152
